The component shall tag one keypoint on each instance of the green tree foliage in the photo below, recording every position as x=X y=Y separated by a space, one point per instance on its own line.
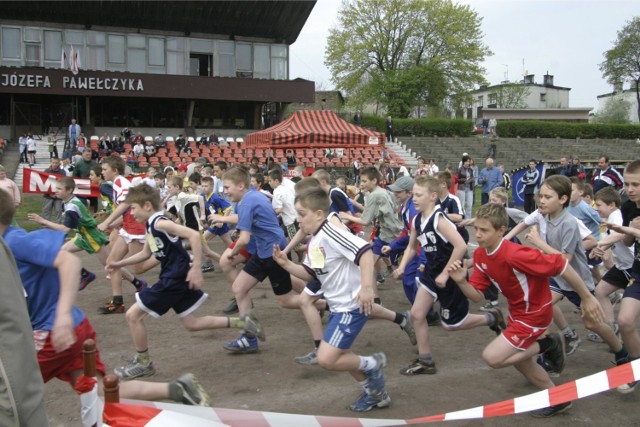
x=405 y=53
x=616 y=110
x=622 y=61
x=511 y=95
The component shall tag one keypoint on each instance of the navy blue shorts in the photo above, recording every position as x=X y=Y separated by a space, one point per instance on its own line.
x=571 y=295
x=618 y=278
x=376 y=248
x=454 y=306
x=632 y=291
x=261 y=268
x=343 y=328
x=170 y=294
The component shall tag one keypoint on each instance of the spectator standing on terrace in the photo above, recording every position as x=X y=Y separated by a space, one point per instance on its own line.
x=606 y=176
x=490 y=177
x=74 y=134
x=390 y=129
x=31 y=149
x=565 y=167
x=493 y=123
x=357 y=118
x=580 y=171
x=466 y=179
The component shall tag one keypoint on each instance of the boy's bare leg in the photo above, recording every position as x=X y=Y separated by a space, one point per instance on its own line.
x=135 y=319
x=334 y=359
x=421 y=306
x=311 y=315
x=603 y=290
x=627 y=320
x=243 y=283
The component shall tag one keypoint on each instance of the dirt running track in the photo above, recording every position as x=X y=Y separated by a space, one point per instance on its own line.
x=271 y=381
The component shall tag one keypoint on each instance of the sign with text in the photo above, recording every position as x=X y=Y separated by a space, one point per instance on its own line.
x=37 y=182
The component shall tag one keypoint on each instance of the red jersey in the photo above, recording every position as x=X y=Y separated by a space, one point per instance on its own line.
x=522 y=274
x=121 y=186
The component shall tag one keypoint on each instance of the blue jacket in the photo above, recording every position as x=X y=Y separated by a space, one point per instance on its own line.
x=490 y=179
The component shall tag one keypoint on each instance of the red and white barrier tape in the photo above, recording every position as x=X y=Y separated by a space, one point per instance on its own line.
x=573 y=390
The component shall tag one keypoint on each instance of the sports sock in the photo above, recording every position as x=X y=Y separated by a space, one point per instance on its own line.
x=118 y=299
x=235 y=322
x=136 y=283
x=425 y=357
x=143 y=357
x=400 y=320
x=545 y=344
x=491 y=318
x=367 y=363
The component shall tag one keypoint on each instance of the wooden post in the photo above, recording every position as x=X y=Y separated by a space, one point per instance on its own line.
x=89 y=358
x=111 y=389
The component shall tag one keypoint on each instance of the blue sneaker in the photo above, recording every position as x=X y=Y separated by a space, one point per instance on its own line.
x=367 y=402
x=84 y=281
x=376 y=375
x=243 y=344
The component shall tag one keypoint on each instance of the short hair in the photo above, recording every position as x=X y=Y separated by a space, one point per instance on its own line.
x=2 y=169
x=237 y=176
x=588 y=190
x=445 y=177
x=195 y=177
x=115 y=163
x=633 y=167
x=578 y=182
x=465 y=158
x=561 y=185
x=7 y=208
x=371 y=173
x=206 y=180
x=259 y=178
x=222 y=165
x=207 y=170
x=97 y=169
x=604 y=156
x=500 y=192
x=143 y=193
x=67 y=183
x=494 y=213
x=609 y=195
x=533 y=161
x=159 y=175
x=322 y=175
x=314 y=199
x=276 y=174
x=306 y=184
x=301 y=169
x=177 y=182
x=429 y=183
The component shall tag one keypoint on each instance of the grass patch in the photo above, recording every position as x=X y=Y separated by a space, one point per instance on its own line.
x=31 y=203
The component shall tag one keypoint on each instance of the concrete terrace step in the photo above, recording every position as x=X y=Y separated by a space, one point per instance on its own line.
x=42 y=158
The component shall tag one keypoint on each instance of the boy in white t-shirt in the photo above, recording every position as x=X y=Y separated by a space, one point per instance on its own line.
x=283 y=203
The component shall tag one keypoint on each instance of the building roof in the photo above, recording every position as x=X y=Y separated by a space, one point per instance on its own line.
x=280 y=21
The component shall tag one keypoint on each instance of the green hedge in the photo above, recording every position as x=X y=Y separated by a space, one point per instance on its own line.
x=506 y=128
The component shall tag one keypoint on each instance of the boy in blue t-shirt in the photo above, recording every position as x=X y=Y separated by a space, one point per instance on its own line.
x=179 y=287
x=50 y=278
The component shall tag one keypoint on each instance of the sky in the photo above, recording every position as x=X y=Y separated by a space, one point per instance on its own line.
x=566 y=38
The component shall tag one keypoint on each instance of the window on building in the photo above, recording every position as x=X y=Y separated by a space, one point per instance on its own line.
x=481 y=101
x=156 y=52
x=493 y=98
x=96 y=52
x=279 y=63
x=543 y=97
x=116 y=49
x=244 y=60
x=52 y=48
x=10 y=43
x=176 y=55
x=200 y=64
x=226 y=58
x=261 y=61
x=33 y=46
x=136 y=53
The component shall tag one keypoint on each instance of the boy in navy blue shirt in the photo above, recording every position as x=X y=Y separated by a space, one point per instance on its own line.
x=179 y=287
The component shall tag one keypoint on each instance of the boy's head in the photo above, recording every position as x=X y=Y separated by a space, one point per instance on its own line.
x=257 y=180
x=491 y=221
x=322 y=176
x=306 y=184
x=55 y=163
x=369 y=178
x=607 y=200
x=159 y=179
x=532 y=164
x=219 y=168
x=95 y=174
x=312 y=207
x=144 y=201
x=275 y=178
x=175 y=185
x=182 y=170
x=444 y=178
x=587 y=195
x=299 y=171
x=577 y=190
x=402 y=189
x=236 y=183
x=151 y=171
x=207 y=184
x=426 y=191
x=195 y=178
x=555 y=194
x=65 y=187
x=206 y=171
x=498 y=196
x=7 y=208
x=341 y=183
x=112 y=167
x=632 y=181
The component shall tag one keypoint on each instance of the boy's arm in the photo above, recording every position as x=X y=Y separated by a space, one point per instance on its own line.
x=227 y=219
x=516 y=230
x=203 y=215
x=49 y=224
x=117 y=212
x=458 y=272
x=366 y=294
x=348 y=217
x=459 y=249
x=297 y=239
x=241 y=243
x=534 y=238
x=297 y=270
x=194 y=277
x=590 y=306
x=68 y=266
x=408 y=255
x=143 y=255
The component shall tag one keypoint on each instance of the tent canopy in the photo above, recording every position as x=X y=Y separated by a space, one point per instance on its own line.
x=314 y=129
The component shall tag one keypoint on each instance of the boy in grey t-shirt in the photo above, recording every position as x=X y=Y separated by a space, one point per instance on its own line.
x=562 y=236
x=380 y=210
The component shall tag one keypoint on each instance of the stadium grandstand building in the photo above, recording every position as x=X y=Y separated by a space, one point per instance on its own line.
x=192 y=65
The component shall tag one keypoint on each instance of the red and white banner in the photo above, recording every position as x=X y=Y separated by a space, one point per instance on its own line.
x=156 y=414
x=37 y=182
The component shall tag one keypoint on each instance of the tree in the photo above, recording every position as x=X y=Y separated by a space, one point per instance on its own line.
x=616 y=110
x=511 y=95
x=405 y=53
x=622 y=62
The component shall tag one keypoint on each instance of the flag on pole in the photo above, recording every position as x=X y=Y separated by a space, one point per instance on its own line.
x=74 y=60
x=63 y=60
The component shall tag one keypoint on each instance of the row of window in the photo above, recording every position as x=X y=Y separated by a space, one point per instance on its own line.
x=138 y=53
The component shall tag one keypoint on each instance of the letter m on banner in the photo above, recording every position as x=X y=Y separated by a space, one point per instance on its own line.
x=45 y=183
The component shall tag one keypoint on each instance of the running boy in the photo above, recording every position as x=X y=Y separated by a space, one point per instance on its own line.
x=343 y=266
x=442 y=245
x=179 y=287
x=515 y=268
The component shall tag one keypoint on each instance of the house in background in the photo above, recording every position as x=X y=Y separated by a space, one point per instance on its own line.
x=628 y=95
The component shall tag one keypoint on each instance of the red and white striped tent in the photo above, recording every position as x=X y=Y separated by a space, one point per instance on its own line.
x=314 y=129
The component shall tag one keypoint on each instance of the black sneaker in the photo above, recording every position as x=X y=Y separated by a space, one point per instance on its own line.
x=551 y=411
x=434 y=319
x=418 y=367
x=498 y=324
x=556 y=355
